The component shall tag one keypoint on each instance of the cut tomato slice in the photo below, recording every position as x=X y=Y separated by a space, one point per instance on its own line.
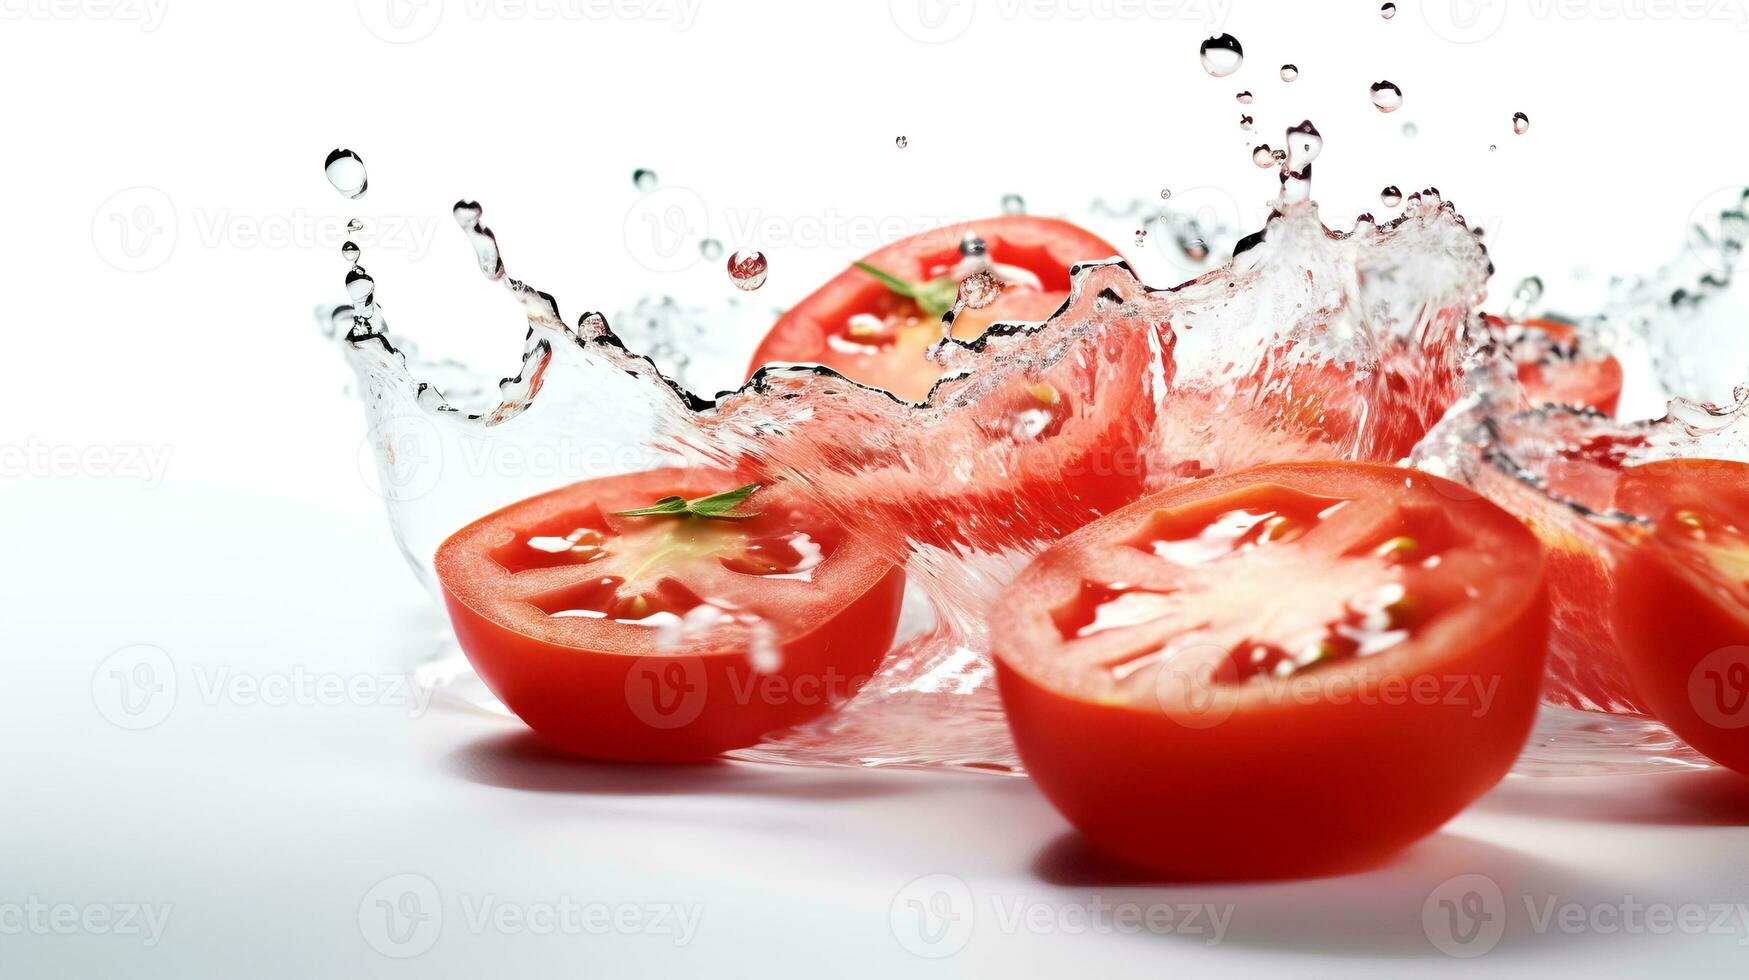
x=860 y=327
x=668 y=636
x=1552 y=369
x=1290 y=670
x=1682 y=588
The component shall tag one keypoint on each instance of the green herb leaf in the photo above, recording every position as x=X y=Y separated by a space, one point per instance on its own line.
x=934 y=297
x=718 y=505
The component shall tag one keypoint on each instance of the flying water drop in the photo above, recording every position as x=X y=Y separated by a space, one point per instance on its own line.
x=349 y=252
x=644 y=180
x=1013 y=204
x=1410 y=130
x=1245 y=123
x=1388 y=11
x=1244 y=98
x=1289 y=73
x=747 y=269
x=1390 y=197
x=901 y=142
x=1520 y=123
x=1222 y=56
x=711 y=249
x=1387 y=96
x=1524 y=297
x=345 y=170
x=1263 y=156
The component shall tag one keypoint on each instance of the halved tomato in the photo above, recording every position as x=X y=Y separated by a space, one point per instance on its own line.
x=1296 y=669
x=1682 y=600
x=1553 y=369
x=873 y=321
x=680 y=633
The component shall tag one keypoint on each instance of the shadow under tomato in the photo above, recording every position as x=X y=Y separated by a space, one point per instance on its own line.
x=1393 y=910
x=1701 y=798
x=521 y=761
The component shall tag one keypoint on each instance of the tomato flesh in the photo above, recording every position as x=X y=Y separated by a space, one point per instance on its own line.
x=1682 y=609
x=1553 y=370
x=1356 y=645
x=666 y=638
x=863 y=330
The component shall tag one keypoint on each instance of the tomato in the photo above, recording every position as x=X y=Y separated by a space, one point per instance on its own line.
x=1295 y=669
x=860 y=327
x=666 y=637
x=1556 y=373
x=1682 y=589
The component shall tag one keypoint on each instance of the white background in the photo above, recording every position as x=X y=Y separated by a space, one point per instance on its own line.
x=257 y=551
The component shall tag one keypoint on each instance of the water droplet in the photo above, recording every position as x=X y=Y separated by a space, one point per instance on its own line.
x=644 y=180
x=979 y=290
x=1388 y=11
x=1520 y=123
x=1411 y=130
x=901 y=142
x=1280 y=156
x=467 y=214
x=1390 y=197
x=1141 y=236
x=345 y=170
x=1244 y=98
x=355 y=226
x=1195 y=249
x=747 y=269
x=349 y=252
x=1245 y=123
x=1492 y=147
x=1165 y=193
x=360 y=286
x=1303 y=145
x=711 y=249
x=1387 y=96
x=1524 y=296
x=1013 y=204
x=1263 y=156
x=1289 y=73
x=1222 y=56
x=972 y=246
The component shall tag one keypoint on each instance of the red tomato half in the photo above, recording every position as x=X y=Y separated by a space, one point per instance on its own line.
x=666 y=638
x=1296 y=669
x=865 y=331
x=1562 y=377
x=1682 y=591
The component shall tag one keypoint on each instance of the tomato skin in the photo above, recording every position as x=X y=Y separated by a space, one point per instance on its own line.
x=1685 y=639
x=602 y=688
x=1291 y=788
x=1668 y=626
x=587 y=702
